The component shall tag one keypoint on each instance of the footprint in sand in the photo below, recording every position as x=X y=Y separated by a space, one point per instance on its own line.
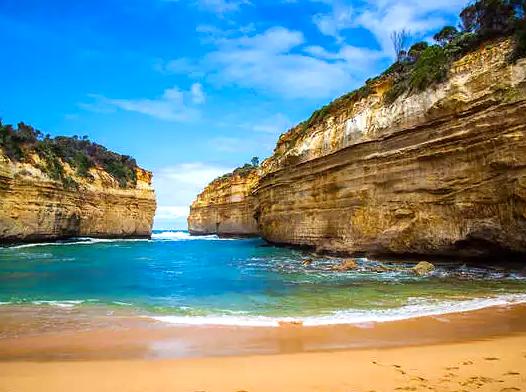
x=478 y=381
x=452 y=368
x=398 y=368
x=465 y=363
x=491 y=359
x=512 y=374
x=510 y=389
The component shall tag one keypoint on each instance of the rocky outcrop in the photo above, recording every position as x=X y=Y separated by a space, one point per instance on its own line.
x=226 y=207
x=33 y=207
x=423 y=268
x=441 y=172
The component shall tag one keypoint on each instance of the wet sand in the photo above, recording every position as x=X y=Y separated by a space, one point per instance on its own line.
x=474 y=351
x=46 y=334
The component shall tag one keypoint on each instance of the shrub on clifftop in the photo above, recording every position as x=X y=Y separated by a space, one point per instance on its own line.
x=80 y=153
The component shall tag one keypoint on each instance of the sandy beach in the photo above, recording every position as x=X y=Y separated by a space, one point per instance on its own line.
x=473 y=351
x=497 y=364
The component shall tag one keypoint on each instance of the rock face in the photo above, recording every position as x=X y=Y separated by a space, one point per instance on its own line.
x=442 y=172
x=34 y=207
x=226 y=207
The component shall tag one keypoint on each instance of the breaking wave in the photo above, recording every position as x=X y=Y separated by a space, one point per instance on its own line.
x=183 y=236
x=415 y=310
x=156 y=236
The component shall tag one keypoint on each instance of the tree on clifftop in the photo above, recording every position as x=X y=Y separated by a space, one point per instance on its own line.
x=400 y=40
x=446 y=35
x=491 y=17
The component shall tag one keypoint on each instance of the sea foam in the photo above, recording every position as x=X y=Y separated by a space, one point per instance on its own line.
x=183 y=236
x=342 y=317
x=76 y=241
x=156 y=236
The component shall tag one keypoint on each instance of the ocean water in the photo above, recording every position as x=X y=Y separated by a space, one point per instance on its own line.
x=179 y=279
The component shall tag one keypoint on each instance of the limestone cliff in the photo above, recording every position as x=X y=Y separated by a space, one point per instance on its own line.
x=439 y=172
x=226 y=207
x=34 y=207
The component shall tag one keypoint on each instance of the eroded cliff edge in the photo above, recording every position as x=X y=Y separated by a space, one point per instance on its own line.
x=439 y=172
x=226 y=207
x=35 y=207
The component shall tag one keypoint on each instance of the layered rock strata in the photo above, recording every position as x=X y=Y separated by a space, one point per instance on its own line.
x=226 y=207
x=33 y=207
x=441 y=172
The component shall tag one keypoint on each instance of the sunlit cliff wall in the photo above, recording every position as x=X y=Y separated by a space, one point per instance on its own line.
x=226 y=207
x=34 y=207
x=441 y=172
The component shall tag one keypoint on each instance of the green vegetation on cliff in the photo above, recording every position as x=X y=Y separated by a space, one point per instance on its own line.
x=80 y=153
x=424 y=65
x=242 y=171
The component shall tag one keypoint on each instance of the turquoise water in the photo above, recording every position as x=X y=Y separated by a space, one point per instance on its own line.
x=188 y=280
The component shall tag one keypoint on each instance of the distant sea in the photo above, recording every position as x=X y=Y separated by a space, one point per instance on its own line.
x=178 y=279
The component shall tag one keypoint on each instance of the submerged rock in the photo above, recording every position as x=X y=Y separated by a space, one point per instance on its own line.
x=423 y=268
x=381 y=268
x=347 y=265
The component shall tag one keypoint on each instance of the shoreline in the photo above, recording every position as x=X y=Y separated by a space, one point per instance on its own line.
x=17 y=243
x=34 y=334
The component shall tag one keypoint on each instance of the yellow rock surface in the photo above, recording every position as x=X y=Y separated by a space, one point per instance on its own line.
x=226 y=207
x=34 y=207
x=440 y=172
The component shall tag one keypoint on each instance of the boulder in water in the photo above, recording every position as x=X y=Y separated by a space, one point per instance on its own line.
x=423 y=268
x=347 y=265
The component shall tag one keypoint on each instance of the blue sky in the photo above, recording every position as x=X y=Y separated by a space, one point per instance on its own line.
x=194 y=88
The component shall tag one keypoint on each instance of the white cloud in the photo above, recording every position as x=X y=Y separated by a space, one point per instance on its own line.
x=228 y=144
x=222 y=6
x=198 y=95
x=179 y=66
x=273 y=125
x=272 y=61
x=170 y=106
x=383 y=17
x=357 y=59
x=340 y=18
x=279 y=61
x=217 y=6
x=177 y=186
